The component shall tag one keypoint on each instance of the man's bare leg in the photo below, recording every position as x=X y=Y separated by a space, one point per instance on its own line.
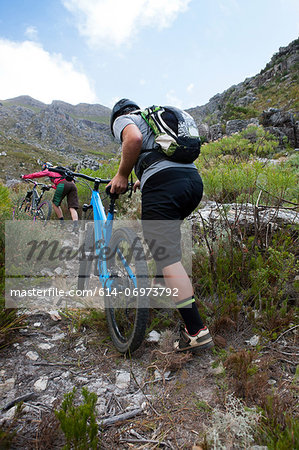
x=74 y=214
x=58 y=211
x=176 y=277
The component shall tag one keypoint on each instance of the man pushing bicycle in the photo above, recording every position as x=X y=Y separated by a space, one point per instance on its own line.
x=63 y=188
x=161 y=144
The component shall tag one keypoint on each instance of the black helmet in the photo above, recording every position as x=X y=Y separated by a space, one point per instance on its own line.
x=119 y=109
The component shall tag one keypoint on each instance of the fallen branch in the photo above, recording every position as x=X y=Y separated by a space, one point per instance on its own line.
x=292 y=208
x=143 y=441
x=292 y=363
x=141 y=388
x=53 y=364
x=120 y=417
x=22 y=398
x=290 y=329
x=288 y=353
x=278 y=198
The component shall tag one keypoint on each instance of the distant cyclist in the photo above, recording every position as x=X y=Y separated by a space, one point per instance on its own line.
x=170 y=192
x=63 y=188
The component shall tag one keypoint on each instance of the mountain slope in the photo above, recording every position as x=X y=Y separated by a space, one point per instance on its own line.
x=276 y=86
x=31 y=131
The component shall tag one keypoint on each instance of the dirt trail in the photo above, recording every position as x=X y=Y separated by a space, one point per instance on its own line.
x=168 y=400
x=48 y=359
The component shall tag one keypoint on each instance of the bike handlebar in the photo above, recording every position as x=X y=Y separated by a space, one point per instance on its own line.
x=70 y=174
x=87 y=177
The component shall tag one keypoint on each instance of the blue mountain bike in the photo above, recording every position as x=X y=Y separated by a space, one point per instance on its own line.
x=118 y=259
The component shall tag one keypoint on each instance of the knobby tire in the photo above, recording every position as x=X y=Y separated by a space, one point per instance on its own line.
x=43 y=211
x=127 y=316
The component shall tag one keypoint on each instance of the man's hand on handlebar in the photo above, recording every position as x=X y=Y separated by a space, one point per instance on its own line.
x=136 y=185
x=119 y=184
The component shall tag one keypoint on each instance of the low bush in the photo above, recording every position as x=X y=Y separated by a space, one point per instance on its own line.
x=253 y=140
x=237 y=275
x=78 y=423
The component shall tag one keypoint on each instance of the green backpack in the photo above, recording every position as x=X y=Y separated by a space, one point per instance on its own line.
x=176 y=136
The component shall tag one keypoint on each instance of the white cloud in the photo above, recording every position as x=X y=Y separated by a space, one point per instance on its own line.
x=228 y=7
x=117 y=21
x=190 y=87
x=32 y=33
x=172 y=99
x=27 y=69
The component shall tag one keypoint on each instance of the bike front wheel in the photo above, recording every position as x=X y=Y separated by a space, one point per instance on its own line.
x=43 y=211
x=22 y=208
x=126 y=302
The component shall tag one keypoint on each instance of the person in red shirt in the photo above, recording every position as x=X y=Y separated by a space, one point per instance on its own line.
x=63 y=188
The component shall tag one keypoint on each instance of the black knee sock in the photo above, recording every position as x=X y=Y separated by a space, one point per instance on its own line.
x=189 y=312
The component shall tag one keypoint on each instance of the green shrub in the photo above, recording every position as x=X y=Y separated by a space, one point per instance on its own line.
x=238 y=112
x=253 y=140
x=235 y=275
x=279 y=427
x=228 y=180
x=280 y=182
x=8 y=319
x=78 y=423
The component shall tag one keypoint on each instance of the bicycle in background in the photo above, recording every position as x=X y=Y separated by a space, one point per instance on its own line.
x=33 y=203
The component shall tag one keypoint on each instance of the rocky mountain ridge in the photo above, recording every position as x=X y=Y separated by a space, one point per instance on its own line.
x=31 y=130
x=72 y=129
x=269 y=98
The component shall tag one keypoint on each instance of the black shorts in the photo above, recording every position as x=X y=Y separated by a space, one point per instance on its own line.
x=66 y=189
x=167 y=198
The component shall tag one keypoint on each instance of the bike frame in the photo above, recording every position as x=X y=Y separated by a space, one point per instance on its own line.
x=36 y=197
x=103 y=226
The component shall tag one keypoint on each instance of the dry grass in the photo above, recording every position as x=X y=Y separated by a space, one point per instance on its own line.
x=247 y=379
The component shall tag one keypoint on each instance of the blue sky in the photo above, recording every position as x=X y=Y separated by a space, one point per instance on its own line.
x=179 y=52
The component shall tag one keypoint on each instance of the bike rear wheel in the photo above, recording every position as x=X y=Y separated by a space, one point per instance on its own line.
x=127 y=303
x=43 y=211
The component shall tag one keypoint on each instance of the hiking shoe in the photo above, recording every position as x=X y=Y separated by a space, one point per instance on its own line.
x=200 y=341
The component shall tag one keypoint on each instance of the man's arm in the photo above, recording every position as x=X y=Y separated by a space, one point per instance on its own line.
x=43 y=173
x=33 y=175
x=131 y=146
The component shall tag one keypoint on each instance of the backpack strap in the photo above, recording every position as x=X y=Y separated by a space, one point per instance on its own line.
x=153 y=116
x=148 y=116
x=64 y=172
x=146 y=159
